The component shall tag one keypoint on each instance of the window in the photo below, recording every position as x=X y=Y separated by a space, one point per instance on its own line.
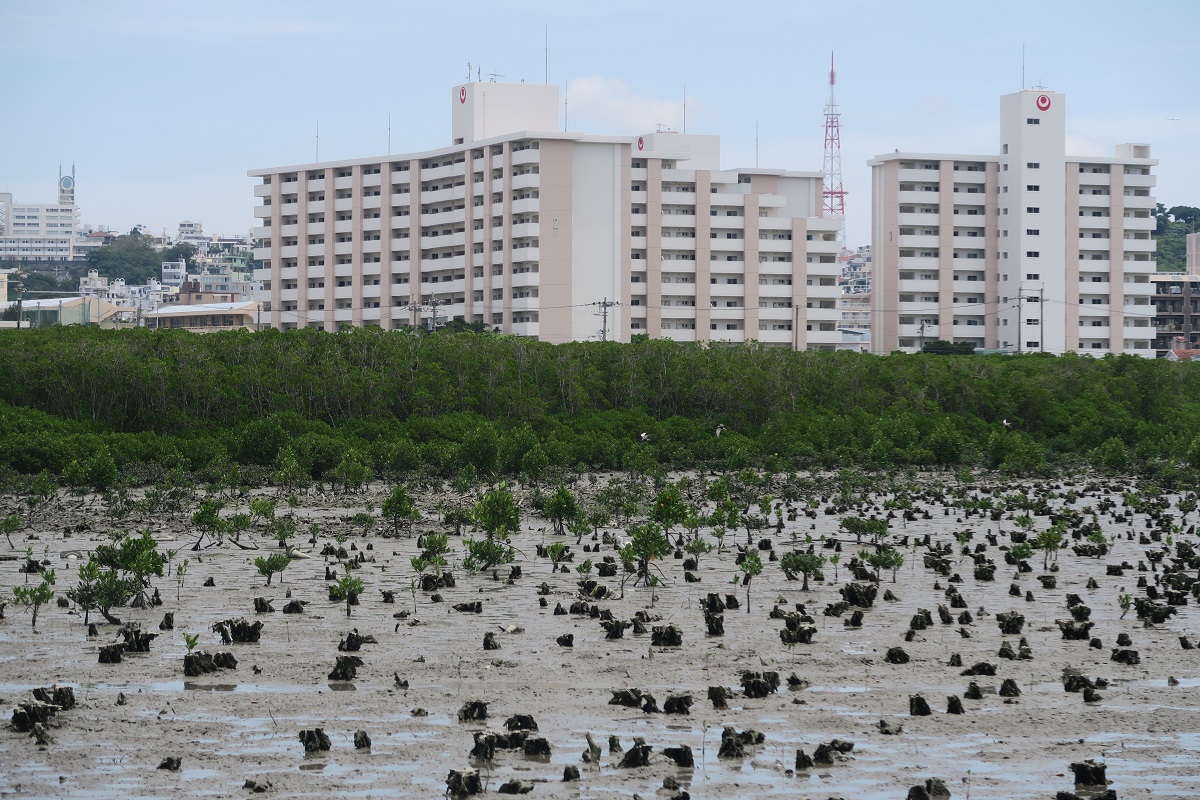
x=1031 y=322
x=1032 y=165
x=1032 y=121
x=1032 y=210
x=1032 y=232
x=1033 y=276
x=1032 y=187
x=1032 y=253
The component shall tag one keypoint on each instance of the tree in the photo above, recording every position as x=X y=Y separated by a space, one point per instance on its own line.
x=131 y=256
x=10 y=525
x=434 y=547
x=497 y=513
x=34 y=597
x=1020 y=552
x=137 y=556
x=399 y=509
x=102 y=589
x=208 y=519
x=353 y=471
x=805 y=564
x=647 y=542
x=560 y=508
x=1048 y=542
x=268 y=566
x=696 y=547
x=347 y=588
x=669 y=509
x=751 y=567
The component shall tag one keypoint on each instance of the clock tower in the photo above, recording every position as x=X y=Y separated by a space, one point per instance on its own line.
x=66 y=188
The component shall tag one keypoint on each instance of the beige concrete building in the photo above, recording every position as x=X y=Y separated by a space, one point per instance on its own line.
x=534 y=232
x=1027 y=250
x=206 y=317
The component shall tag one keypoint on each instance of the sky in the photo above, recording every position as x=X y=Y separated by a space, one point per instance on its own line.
x=162 y=106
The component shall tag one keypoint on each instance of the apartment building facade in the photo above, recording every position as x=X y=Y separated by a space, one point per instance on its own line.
x=1028 y=250
x=559 y=236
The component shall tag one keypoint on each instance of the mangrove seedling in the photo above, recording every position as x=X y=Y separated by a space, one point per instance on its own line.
x=804 y=564
x=347 y=588
x=190 y=640
x=269 y=565
x=751 y=567
x=34 y=597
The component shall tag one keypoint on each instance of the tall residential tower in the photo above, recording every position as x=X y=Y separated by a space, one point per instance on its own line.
x=560 y=236
x=1027 y=250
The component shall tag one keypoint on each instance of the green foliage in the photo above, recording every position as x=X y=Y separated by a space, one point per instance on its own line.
x=131 y=256
x=136 y=556
x=497 y=513
x=1112 y=456
x=751 y=568
x=560 y=508
x=584 y=568
x=804 y=564
x=646 y=543
x=263 y=509
x=34 y=597
x=190 y=640
x=354 y=471
x=347 y=587
x=103 y=589
x=486 y=553
x=556 y=552
x=669 y=509
x=1049 y=541
x=885 y=559
x=399 y=509
x=875 y=529
x=434 y=547
x=696 y=547
x=943 y=348
x=9 y=525
x=269 y=565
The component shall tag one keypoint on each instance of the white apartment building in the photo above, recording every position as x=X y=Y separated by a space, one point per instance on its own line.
x=1028 y=250
x=529 y=230
x=42 y=231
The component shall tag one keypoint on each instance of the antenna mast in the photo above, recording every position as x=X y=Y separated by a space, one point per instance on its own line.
x=834 y=195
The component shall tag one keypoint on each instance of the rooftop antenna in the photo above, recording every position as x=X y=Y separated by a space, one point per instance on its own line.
x=756 y=145
x=494 y=75
x=546 y=56
x=389 y=150
x=566 y=108
x=685 y=109
x=468 y=72
x=1022 y=66
x=317 y=147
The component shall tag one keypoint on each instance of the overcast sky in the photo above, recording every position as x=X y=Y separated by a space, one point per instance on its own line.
x=162 y=106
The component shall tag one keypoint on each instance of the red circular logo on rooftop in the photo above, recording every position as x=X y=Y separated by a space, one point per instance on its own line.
x=641 y=143
x=1043 y=103
x=462 y=95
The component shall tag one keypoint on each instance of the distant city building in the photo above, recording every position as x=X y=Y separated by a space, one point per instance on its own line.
x=207 y=317
x=560 y=236
x=1177 y=312
x=1028 y=250
x=44 y=231
x=174 y=273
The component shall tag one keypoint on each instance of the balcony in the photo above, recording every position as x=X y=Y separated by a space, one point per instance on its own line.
x=262 y=190
x=520 y=279
x=919 y=240
x=526 y=205
x=1141 y=181
x=920 y=286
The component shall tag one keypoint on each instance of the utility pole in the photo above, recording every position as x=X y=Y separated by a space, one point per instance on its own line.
x=434 y=303
x=604 y=305
x=1042 y=319
x=1020 y=321
x=20 y=290
x=921 y=335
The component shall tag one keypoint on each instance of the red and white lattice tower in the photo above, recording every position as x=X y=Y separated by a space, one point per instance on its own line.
x=834 y=195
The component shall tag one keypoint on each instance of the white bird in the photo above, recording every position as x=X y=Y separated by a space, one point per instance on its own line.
x=645 y=437
x=1006 y=423
x=719 y=429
